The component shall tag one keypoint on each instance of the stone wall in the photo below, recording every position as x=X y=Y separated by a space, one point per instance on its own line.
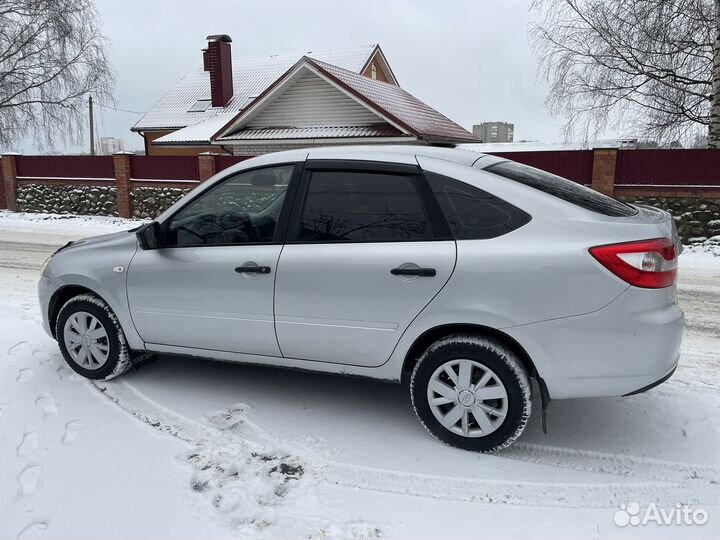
x=67 y=199
x=696 y=219
x=150 y=202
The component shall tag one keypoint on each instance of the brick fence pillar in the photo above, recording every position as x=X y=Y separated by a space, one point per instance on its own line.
x=121 y=162
x=603 y=171
x=9 y=169
x=206 y=165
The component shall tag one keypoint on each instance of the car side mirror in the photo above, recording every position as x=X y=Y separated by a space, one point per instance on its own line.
x=149 y=236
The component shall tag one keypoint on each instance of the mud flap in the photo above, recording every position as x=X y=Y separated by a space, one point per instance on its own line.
x=545 y=400
x=140 y=359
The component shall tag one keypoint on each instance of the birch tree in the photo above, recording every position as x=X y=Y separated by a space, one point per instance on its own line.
x=651 y=65
x=52 y=56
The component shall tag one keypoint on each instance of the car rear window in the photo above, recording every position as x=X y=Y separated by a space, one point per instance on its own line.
x=562 y=188
x=474 y=214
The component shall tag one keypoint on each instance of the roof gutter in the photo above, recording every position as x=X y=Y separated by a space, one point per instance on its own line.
x=430 y=139
x=314 y=141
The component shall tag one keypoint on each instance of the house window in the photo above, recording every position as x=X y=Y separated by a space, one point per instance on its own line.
x=373 y=71
x=200 y=105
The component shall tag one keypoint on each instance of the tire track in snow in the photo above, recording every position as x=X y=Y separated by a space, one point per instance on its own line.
x=660 y=482
x=566 y=495
x=24 y=255
x=614 y=464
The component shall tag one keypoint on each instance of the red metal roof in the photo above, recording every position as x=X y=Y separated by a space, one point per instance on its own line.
x=408 y=113
x=397 y=104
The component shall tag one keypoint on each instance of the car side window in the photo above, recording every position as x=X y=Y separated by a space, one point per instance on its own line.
x=474 y=214
x=244 y=209
x=359 y=206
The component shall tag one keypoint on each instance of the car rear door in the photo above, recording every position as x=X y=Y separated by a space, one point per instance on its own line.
x=367 y=250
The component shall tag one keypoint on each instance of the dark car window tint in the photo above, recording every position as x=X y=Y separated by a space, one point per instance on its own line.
x=473 y=213
x=562 y=188
x=362 y=207
x=244 y=209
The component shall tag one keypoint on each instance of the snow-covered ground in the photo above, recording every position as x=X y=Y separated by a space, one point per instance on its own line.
x=193 y=449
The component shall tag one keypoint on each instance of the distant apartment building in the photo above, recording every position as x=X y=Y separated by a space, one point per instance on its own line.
x=110 y=145
x=492 y=132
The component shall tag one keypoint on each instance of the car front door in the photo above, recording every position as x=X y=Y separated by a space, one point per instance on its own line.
x=210 y=284
x=367 y=250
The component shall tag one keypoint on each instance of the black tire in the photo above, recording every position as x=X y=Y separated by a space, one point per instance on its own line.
x=118 y=361
x=490 y=354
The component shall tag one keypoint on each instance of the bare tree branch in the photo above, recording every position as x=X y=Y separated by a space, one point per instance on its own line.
x=52 y=56
x=651 y=65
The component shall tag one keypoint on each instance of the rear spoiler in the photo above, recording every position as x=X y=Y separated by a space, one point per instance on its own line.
x=662 y=214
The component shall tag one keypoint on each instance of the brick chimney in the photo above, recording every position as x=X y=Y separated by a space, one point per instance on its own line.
x=217 y=59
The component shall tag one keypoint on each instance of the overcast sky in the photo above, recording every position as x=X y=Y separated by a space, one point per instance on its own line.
x=470 y=60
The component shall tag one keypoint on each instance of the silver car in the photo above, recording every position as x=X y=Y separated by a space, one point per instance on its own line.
x=464 y=276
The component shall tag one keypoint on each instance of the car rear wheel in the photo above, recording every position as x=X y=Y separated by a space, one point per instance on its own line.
x=471 y=392
x=91 y=339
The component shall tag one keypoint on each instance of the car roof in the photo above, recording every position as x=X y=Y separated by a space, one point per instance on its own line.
x=386 y=153
x=394 y=153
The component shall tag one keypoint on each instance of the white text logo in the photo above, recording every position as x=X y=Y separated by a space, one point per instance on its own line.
x=682 y=514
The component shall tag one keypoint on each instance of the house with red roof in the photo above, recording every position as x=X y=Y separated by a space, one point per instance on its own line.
x=254 y=105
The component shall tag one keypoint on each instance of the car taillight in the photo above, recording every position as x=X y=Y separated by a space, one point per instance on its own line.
x=651 y=264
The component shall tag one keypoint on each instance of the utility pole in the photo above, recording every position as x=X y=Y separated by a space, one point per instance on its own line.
x=92 y=126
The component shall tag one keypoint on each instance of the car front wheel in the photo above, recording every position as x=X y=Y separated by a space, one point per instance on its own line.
x=91 y=339
x=471 y=392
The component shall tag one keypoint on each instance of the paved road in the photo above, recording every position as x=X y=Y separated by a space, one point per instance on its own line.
x=24 y=256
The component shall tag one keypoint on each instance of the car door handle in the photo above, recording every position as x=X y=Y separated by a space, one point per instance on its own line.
x=253 y=269
x=425 y=272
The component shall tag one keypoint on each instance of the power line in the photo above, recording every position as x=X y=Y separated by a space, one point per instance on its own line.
x=117 y=109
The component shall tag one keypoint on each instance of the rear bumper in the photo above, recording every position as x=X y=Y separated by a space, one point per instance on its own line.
x=627 y=347
x=653 y=385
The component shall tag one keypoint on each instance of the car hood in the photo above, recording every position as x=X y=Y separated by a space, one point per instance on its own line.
x=103 y=238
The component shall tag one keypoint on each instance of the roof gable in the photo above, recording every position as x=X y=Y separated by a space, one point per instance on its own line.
x=304 y=97
x=378 y=59
x=311 y=101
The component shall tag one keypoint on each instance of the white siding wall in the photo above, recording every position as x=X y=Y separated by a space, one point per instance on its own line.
x=311 y=101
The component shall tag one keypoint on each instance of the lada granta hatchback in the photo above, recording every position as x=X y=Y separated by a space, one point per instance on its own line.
x=464 y=275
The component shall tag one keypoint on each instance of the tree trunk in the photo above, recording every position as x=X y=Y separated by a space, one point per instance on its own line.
x=714 y=128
